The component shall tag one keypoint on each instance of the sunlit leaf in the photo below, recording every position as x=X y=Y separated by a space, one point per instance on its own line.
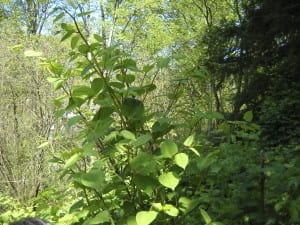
x=170 y=210
x=186 y=205
x=181 y=160
x=168 y=149
x=205 y=216
x=127 y=135
x=146 y=217
x=72 y=160
x=189 y=141
x=141 y=140
x=32 y=53
x=169 y=180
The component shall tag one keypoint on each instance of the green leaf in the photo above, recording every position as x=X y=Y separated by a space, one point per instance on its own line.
x=168 y=149
x=207 y=160
x=125 y=78
x=169 y=180
x=97 y=85
x=93 y=179
x=84 y=13
x=84 y=49
x=55 y=68
x=58 y=17
x=146 y=183
x=181 y=160
x=146 y=217
x=157 y=206
x=72 y=160
x=74 y=41
x=131 y=220
x=98 y=37
x=82 y=91
x=248 y=116
x=194 y=151
x=141 y=140
x=127 y=135
x=32 y=53
x=147 y=68
x=186 y=205
x=170 y=210
x=67 y=35
x=73 y=120
x=205 y=216
x=164 y=62
x=103 y=126
x=44 y=144
x=59 y=113
x=76 y=206
x=67 y=27
x=101 y=217
x=189 y=141
x=144 y=164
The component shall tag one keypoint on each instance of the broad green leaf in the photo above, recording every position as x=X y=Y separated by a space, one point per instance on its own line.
x=189 y=141
x=55 y=68
x=76 y=206
x=72 y=160
x=74 y=41
x=98 y=37
x=32 y=53
x=84 y=49
x=205 y=216
x=103 y=126
x=82 y=91
x=169 y=180
x=100 y=218
x=58 y=17
x=144 y=164
x=67 y=35
x=125 y=78
x=131 y=220
x=127 y=135
x=146 y=183
x=130 y=64
x=248 y=116
x=93 y=179
x=73 y=120
x=168 y=149
x=170 y=210
x=186 y=205
x=59 y=113
x=141 y=140
x=181 y=160
x=157 y=206
x=67 y=27
x=164 y=62
x=147 y=68
x=97 y=85
x=146 y=217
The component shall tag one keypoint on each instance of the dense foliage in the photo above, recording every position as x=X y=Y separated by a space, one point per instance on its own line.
x=180 y=112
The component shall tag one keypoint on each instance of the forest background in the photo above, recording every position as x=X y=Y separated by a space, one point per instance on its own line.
x=150 y=112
